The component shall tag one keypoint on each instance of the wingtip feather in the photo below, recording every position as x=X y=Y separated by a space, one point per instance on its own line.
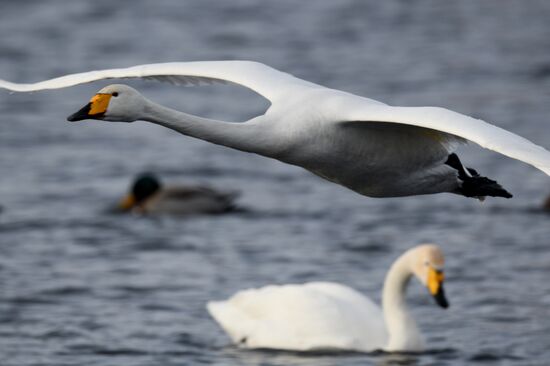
x=4 y=84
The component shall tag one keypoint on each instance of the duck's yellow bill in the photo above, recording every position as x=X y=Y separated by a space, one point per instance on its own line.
x=127 y=202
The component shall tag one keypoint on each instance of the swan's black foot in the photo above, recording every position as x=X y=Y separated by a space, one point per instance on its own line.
x=481 y=187
x=474 y=185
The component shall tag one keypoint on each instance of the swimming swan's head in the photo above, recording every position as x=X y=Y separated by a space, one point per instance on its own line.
x=427 y=266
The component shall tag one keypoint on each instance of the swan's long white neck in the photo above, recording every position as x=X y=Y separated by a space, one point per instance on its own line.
x=247 y=136
x=403 y=333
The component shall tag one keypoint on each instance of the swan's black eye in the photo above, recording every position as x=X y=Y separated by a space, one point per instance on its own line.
x=115 y=94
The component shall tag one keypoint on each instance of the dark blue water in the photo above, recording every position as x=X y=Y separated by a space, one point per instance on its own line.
x=79 y=286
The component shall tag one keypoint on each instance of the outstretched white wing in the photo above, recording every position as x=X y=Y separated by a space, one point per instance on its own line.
x=263 y=79
x=444 y=120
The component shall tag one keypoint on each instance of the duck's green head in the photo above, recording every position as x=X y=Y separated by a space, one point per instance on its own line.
x=145 y=186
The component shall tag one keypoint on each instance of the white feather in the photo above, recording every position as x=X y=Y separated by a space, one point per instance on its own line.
x=313 y=316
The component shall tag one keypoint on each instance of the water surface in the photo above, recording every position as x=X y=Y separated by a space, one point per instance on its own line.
x=81 y=287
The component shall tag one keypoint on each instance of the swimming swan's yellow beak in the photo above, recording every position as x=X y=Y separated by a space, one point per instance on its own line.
x=94 y=110
x=435 y=285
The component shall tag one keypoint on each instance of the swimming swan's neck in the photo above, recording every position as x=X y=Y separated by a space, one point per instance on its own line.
x=247 y=136
x=403 y=333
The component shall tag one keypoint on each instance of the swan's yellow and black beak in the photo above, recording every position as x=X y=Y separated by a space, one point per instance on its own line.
x=435 y=285
x=94 y=110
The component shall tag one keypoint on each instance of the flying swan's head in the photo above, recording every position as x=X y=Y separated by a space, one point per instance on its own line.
x=117 y=103
x=427 y=263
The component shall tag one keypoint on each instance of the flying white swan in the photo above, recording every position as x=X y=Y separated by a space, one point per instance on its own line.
x=372 y=148
x=329 y=316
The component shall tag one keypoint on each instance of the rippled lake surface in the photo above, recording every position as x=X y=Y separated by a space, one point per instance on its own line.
x=80 y=286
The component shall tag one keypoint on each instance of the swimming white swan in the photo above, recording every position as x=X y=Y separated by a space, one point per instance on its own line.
x=330 y=316
x=372 y=148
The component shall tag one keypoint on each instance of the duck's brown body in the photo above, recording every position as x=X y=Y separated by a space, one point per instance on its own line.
x=188 y=200
x=148 y=196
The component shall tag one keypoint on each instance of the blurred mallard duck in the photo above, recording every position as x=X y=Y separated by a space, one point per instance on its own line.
x=148 y=196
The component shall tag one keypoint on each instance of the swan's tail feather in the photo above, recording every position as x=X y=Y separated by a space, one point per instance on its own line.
x=231 y=320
